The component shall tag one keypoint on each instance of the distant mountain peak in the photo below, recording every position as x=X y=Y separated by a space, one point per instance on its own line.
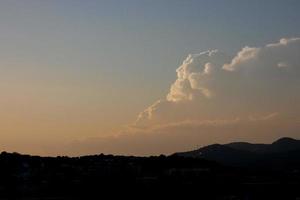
x=244 y=153
x=285 y=140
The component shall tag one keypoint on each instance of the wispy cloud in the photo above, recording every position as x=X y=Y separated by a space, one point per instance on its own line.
x=263 y=117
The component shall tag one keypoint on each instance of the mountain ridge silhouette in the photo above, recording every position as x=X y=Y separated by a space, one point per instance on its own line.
x=282 y=151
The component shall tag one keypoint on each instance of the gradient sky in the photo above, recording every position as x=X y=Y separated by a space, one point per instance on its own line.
x=72 y=70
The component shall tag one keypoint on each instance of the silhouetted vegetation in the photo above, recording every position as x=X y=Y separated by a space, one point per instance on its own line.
x=102 y=176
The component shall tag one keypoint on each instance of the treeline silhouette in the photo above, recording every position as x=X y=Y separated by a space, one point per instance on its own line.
x=106 y=176
x=30 y=177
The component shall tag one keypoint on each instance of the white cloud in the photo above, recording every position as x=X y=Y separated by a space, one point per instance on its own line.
x=246 y=54
x=192 y=76
x=283 y=41
x=211 y=85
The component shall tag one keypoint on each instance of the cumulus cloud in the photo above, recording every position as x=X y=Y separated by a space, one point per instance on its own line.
x=214 y=86
x=194 y=74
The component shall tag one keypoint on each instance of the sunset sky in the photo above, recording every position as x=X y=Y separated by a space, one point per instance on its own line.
x=145 y=77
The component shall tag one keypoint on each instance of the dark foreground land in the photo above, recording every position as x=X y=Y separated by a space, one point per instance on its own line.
x=186 y=177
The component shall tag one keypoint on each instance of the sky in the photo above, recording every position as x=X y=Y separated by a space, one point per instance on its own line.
x=146 y=77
